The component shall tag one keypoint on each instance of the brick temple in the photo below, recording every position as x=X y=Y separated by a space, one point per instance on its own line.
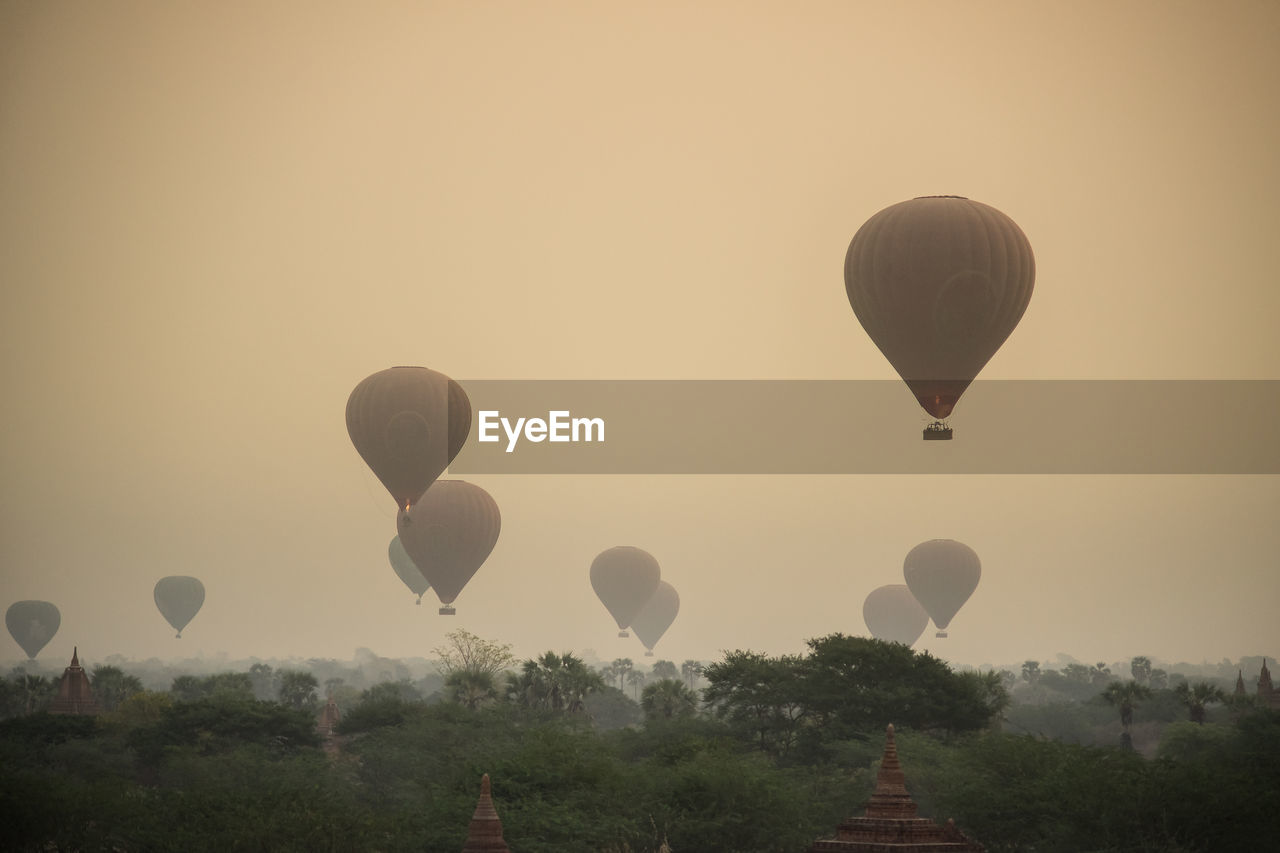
x=1268 y=695
x=485 y=833
x=891 y=824
x=75 y=696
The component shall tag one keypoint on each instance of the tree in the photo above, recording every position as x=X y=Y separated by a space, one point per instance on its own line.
x=263 y=681
x=1196 y=696
x=298 y=689
x=664 y=669
x=1125 y=695
x=635 y=678
x=691 y=669
x=1140 y=669
x=470 y=688
x=111 y=686
x=621 y=667
x=1158 y=680
x=760 y=697
x=1100 y=674
x=1031 y=672
x=668 y=698
x=465 y=651
x=36 y=691
x=554 y=682
x=192 y=688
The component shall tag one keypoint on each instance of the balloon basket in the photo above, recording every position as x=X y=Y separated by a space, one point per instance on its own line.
x=937 y=431
x=942 y=634
x=447 y=610
x=648 y=654
x=623 y=634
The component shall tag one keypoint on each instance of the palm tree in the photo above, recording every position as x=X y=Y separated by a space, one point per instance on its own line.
x=635 y=678
x=1125 y=695
x=691 y=669
x=1141 y=669
x=471 y=688
x=1195 y=697
x=554 y=682
x=621 y=667
x=668 y=698
x=664 y=669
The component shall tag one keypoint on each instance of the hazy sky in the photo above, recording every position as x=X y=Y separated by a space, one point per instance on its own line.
x=217 y=218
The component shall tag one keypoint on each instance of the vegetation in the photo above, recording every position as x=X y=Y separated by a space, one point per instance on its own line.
x=771 y=754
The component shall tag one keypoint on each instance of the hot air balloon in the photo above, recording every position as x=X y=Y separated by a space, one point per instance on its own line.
x=408 y=423
x=32 y=624
x=449 y=533
x=406 y=569
x=939 y=283
x=893 y=614
x=942 y=574
x=179 y=598
x=625 y=578
x=656 y=616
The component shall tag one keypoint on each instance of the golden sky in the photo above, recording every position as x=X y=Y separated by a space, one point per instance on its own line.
x=217 y=218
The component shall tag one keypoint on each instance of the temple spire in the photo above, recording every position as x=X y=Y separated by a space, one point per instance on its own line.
x=891 y=798
x=485 y=833
x=75 y=657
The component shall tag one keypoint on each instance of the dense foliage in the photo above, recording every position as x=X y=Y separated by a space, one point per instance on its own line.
x=784 y=749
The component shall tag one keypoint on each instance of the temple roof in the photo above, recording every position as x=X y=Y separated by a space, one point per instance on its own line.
x=75 y=695
x=891 y=824
x=485 y=833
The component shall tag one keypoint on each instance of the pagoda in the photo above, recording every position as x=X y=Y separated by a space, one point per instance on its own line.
x=891 y=824
x=75 y=696
x=485 y=834
x=330 y=716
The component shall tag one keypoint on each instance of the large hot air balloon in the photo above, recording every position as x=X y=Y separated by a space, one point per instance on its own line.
x=449 y=533
x=625 y=578
x=408 y=423
x=656 y=616
x=406 y=569
x=179 y=599
x=942 y=574
x=32 y=624
x=893 y=614
x=938 y=283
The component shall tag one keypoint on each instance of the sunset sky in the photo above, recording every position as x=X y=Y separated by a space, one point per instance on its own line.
x=217 y=218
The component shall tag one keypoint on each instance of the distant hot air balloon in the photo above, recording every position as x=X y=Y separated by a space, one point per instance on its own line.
x=406 y=569
x=893 y=614
x=179 y=599
x=939 y=283
x=408 y=423
x=942 y=574
x=656 y=616
x=625 y=578
x=32 y=624
x=449 y=533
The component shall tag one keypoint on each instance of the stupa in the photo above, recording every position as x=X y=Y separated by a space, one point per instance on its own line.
x=75 y=696
x=485 y=834
x=891 y=824
x=330 y=716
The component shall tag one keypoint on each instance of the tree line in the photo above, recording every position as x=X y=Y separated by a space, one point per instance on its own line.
x=748 y=753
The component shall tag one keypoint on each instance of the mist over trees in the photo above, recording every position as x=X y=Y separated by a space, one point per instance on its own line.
x=750 y=752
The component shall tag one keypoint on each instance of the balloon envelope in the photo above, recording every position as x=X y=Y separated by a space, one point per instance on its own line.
x=408 y=423
x=406 y=569
x=893 y=614
x=939 y=283
x=32 y=624
x=942 y=574
x=449 y=533
x=656 y=616
x=179 y=598
x=624 y=579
